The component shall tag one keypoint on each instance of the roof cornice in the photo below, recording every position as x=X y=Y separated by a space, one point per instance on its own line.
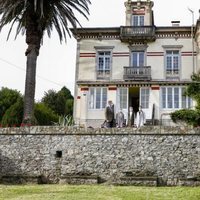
x=114 y=32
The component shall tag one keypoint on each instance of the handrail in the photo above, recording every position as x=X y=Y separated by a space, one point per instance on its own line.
x=143 y=72
x=138 y=30
x=153 y=114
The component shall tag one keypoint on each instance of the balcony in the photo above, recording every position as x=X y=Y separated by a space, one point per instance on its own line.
x=137 y=33
x=172 y=74
x=103 y=74
x=142 y=73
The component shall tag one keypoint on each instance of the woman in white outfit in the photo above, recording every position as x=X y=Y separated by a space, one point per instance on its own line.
x=140 y=118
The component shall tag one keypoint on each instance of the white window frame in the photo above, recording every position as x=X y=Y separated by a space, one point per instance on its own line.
x=106 y=71
x=174 y=73
x=172 y=62
x=171 y=94
x=106 y=55
x=138 y=54
x=144 y=97
x=138 y=20
x=123 y=98
x=92 y=101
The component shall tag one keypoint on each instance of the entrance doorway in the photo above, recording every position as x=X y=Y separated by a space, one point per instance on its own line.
x=128 y=97
x=134 y=100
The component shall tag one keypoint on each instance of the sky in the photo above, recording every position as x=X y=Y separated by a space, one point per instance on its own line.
x=56 y=61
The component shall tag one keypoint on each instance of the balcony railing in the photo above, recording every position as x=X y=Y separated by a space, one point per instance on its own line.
x=103 y=74
x=142 y=73
x=172 y=74
x=128 y=33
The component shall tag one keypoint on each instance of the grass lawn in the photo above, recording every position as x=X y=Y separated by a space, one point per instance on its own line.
x=86 y=192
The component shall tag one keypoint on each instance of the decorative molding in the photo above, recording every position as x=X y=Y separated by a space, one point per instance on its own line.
x=104 y=47
x=113 y=88
x=175 y=35
x=155 y=53
x=155 y=87
x=85 y=89
x=122 y=83
x=138 y=47
x=87 y=55
x=172 y=46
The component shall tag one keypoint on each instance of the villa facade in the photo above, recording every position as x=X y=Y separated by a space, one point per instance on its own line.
x=139 y=64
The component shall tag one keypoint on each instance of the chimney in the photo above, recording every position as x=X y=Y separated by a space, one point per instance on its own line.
x=175 y=23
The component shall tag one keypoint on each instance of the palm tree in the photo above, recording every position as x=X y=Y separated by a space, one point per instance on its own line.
x=34 y=18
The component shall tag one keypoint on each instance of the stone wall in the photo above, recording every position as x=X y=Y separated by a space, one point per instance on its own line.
x=119 y=156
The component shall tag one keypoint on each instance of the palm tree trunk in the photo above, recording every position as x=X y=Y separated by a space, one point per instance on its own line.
x=30 y=84
x=33 y=39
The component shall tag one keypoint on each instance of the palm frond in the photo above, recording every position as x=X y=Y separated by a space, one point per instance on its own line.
x=49 y=14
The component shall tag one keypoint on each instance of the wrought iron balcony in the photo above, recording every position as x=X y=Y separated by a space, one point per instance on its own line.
x=172 y=74
x=137 y=33
x=142 y=73
x=103 y=74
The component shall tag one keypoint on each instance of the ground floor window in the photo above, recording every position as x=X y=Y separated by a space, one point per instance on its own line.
x=175 y=98
x=123 y=98
x=97 y=98
x=144 y=97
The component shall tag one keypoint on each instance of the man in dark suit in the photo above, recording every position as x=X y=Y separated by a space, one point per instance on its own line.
x=109 y=114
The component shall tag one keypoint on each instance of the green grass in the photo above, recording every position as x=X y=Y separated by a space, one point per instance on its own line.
x=86 y=192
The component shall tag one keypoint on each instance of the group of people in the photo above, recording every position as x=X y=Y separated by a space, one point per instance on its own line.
x=134 y=119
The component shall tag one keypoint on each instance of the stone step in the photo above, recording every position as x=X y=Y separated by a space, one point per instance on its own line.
x=79 y=179
x=139 y=181
x=20 y=179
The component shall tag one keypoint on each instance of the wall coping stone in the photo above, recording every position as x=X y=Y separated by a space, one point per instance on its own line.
x=70 y=130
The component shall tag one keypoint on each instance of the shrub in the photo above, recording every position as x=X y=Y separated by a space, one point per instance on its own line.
x=44 y=115
x=60 y=102
x=66 y=120
x=191 y=117
x=8 y=97
x=13 y=115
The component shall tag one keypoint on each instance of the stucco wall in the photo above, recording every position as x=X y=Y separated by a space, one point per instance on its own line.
x=155 y=57
x=104 y=153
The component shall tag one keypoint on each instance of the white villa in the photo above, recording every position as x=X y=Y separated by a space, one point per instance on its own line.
x=132 y=65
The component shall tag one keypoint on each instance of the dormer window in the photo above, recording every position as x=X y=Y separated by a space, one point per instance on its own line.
x=138 y=20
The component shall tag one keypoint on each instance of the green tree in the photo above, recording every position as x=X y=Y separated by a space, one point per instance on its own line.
x=13 y=115
x=69 y=107
x=44 y=115
x=7 y=98
x=193 y=90
x=33 y=18
x=50 y=99
x=65 y=92
x=60 y=102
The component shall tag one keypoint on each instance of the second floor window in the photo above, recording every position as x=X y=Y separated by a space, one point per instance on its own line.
x=104 y=61
x=137 y=58
x=103 y=64
x=138 y=20
x=172 y=63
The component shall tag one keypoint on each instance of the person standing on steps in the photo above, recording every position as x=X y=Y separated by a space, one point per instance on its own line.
x=109 y=114
x=140 y=118
x=120 y=119
x=131 y=117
